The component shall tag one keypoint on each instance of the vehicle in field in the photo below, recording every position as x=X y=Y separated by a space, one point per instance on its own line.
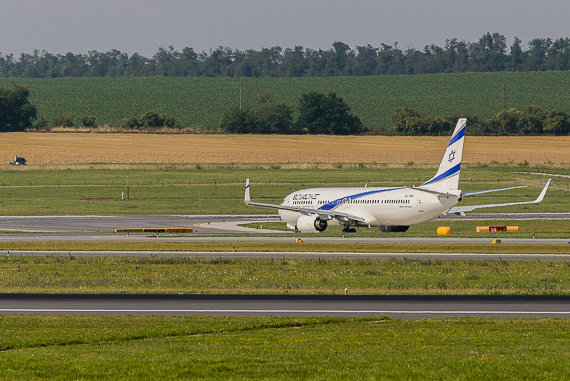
x=18 y=160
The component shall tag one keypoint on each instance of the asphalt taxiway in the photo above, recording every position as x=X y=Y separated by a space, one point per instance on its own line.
x=106 y=224
x=207 y=224
x=213 y=228
x=396 y=306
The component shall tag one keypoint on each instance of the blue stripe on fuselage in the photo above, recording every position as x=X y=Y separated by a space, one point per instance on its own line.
x=342 y=200
x=459 y=135
x=449 y=172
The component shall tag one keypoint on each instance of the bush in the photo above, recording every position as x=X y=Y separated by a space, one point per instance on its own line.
x=16 y=112
x=150 y=119
x=87 y=121
x=63 y=120
x=327 y=114
x=407 y=121
x=168 y=120
x=268 y=118
x=557 y=123
x=41 y=123
x=131 y=121
x=154 y=119
x=238 y=122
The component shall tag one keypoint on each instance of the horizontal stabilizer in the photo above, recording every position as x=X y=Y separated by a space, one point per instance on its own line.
x=463 y=209
x=492 y=190
x=450 y=193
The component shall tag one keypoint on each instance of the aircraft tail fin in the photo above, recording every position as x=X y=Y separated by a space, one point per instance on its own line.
x=247 y=198
x=447 y=176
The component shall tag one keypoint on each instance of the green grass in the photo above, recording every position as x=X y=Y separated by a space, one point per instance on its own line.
x=161 y=347
x=164 y=244
x=69 y=274
x=202 y=101
x=459 y=228
x=187 y=190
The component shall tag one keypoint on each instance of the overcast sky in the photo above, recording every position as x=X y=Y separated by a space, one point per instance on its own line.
x=61 y=26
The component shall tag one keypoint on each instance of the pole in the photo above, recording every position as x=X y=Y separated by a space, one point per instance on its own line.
x=240 y=93
x=128 y=181
x=504 y=96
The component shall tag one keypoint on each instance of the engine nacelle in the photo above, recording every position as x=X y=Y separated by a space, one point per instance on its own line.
x=311 y=224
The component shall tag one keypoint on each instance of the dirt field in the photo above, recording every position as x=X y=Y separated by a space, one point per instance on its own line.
x=81 y=148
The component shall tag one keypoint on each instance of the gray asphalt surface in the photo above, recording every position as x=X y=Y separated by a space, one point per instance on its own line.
x=98 y=228
x=402 y=307
x=100 y=224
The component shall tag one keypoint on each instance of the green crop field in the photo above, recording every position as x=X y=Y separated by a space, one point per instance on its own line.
x=240 y=348
x=202 y=101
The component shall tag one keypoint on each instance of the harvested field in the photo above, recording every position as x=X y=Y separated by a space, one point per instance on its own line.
x=84 y=148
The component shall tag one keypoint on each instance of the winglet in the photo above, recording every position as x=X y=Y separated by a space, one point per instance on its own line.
x=462 y=209
x=543 y=192
x=246 y=198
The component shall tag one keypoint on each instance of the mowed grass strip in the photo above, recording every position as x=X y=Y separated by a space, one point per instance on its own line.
x=81 y=148
x=259 y=246
x=69 y=274
x=171 y=189
x=163 y=347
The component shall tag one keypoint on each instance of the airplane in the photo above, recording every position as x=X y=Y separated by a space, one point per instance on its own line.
x=392 y=209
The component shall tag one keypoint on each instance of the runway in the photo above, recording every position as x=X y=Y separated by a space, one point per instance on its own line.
x=400 y=307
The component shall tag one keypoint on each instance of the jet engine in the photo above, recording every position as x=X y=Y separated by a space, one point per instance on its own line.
x=311 y=224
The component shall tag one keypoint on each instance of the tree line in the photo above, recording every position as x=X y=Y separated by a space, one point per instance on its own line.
x=532 y=120
x=329 y=114
x=489 y=54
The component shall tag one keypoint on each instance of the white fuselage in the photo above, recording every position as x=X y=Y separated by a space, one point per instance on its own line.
x=377 y=205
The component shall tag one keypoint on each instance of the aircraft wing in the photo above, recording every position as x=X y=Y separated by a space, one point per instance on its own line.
x=469 y=208
x=324 y=214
